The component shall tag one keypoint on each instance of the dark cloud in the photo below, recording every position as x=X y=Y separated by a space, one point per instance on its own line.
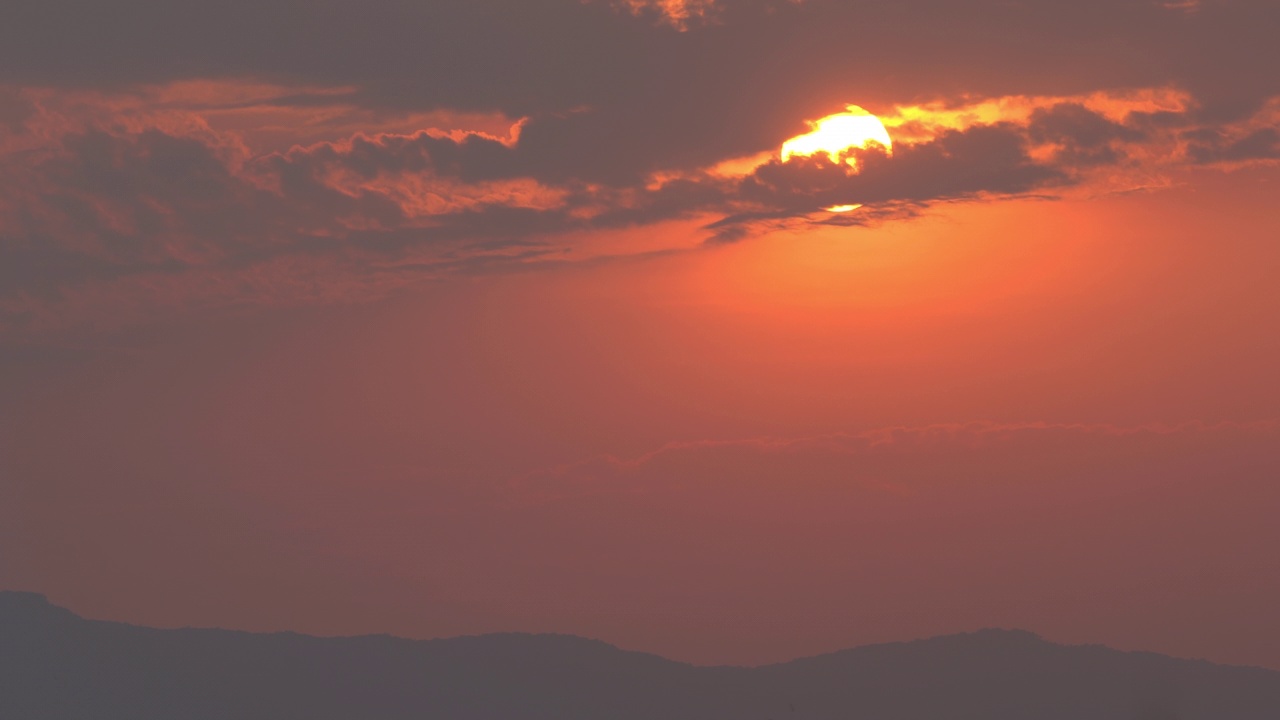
x=613 y=97
x=150 y=201
x=623 y=114
x=1084 y=136
x=110 y=205
x=127 y=197
x=472 y=159
x=1211 y=146
x=987 y=159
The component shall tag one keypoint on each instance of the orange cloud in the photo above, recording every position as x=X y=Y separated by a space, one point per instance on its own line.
x=209 y=176
x=678 y=13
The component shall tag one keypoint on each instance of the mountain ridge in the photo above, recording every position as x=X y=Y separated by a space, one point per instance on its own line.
x=39 y=599
x=55 y=664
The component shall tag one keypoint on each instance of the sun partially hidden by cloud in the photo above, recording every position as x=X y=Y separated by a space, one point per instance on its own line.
x=677 y=13
x=837 y=134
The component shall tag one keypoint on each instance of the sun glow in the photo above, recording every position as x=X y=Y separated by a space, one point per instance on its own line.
x=837 y=134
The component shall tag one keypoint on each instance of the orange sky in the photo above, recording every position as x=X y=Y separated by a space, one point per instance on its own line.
x=287 y=343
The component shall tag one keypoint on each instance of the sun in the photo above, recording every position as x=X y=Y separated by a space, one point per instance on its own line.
x=839 y=133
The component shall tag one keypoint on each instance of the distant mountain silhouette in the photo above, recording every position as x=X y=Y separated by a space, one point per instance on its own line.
x=54 y=664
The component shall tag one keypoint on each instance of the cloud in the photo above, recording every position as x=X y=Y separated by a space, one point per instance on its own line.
x=964 y=467
x=1212 y=147
x=678 y=13
x=651 y=94
x=151 y=139
x=125 y=196
x=163 y=219
x=1083 y=137
x=983 y=159
x=108 y=190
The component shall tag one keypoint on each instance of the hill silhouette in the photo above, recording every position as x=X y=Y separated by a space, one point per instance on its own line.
x=54 y=664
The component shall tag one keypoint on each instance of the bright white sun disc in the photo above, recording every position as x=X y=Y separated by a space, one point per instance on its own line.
x=837 y=134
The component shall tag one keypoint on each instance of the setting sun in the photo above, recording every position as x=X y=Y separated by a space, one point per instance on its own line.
x=837 y=134
x=639 y=359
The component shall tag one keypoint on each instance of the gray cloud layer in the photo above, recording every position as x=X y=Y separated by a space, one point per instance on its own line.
x=608 y=98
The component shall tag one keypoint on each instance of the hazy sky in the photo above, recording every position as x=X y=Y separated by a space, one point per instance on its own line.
x=459 y=316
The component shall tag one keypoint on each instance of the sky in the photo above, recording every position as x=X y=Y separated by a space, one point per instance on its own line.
x=445 y=317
